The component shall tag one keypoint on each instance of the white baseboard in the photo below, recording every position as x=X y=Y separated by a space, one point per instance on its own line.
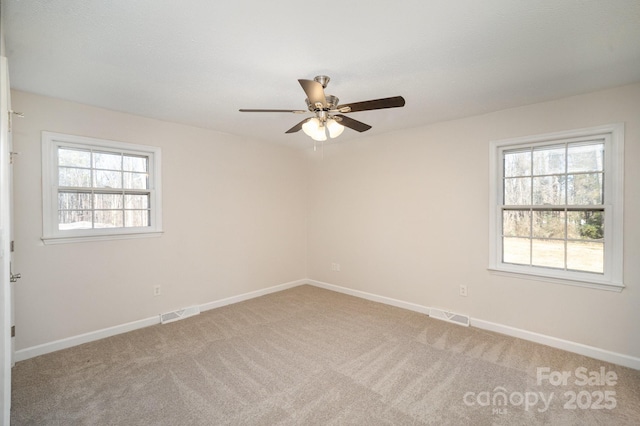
x=554 y=342
x=370 y=296
x=579 y=348
x=252 y=294
x=69 y=342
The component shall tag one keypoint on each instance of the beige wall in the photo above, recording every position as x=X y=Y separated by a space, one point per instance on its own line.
x=233 y=214
x=406 y=216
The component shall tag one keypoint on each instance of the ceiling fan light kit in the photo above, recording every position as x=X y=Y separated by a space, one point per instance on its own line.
x=318 y=130
x=328 y=113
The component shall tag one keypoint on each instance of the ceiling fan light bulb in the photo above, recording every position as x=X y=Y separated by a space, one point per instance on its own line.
x=311 y=126
x=335 y=128
x=320 y=134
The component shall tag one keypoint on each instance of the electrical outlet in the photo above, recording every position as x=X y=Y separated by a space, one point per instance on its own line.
x=157 y=290
x=463 y=290
x=335 y=267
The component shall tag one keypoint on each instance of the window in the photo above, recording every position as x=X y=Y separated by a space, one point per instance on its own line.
x=556 y=206
x=97 y=189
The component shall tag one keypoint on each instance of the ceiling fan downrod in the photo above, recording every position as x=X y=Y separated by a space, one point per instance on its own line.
x=322 y=79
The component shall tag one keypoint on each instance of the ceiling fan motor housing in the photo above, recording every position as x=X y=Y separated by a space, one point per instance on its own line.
x=332 y=103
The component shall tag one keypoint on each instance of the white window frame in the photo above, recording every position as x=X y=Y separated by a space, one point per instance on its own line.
x=51 y=234
x=612 y=278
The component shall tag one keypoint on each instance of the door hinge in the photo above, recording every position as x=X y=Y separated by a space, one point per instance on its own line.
x=13 y=246
x=13 y=331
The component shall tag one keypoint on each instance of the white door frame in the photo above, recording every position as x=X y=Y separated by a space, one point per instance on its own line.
x=6 y=349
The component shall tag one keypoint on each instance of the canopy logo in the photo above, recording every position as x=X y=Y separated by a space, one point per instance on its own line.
x=594 y=397
x=499 y=399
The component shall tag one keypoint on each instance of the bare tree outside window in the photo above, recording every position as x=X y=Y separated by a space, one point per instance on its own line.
x=102 y=189
x=552 y=211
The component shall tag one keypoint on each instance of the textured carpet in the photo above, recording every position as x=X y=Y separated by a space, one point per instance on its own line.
x=310 y=356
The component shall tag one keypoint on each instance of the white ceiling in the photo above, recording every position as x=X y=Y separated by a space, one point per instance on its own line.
x=198 y=61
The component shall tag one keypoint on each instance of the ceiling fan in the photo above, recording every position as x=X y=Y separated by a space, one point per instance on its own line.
x=328 y=114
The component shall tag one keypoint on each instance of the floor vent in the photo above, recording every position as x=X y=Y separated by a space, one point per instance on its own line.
x=449 y=316
x=179 y=314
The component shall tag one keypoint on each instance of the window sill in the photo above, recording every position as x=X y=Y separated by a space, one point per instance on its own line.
x=577 y=281
x=104 y=237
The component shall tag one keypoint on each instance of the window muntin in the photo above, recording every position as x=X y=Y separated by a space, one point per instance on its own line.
x=98 y=188
x=556 y=207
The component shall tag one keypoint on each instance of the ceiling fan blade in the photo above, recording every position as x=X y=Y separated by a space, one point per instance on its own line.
x=298 y=126
x=395 y=102
x=295 y=111
x=356 y=125
x=315 y=92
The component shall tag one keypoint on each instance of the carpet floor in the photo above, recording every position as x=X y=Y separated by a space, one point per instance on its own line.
x=309 y=356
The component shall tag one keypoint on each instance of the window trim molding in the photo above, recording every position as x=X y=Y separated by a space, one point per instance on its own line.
x=612 y=279
x=50 y=232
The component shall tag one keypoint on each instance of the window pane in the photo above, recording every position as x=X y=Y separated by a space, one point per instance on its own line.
x=585 y=189
x=549 y=190
x=108 y=179
x=517 y=164
x=68 y=176
x=109 y=219
x=516 y=250
x=104 y=160
x=136 y=201
x=517 y=191
x=549 y=160
x=136 y=218
x=547 y=253
x=74 y=201
x=585 y=256
x=516 y=223
x=74 y=220
x=132 y=163
x=585 y=225
x=548 y=224
x=585 y=157
x=136 y=181
x=74 y=157
x=108 y=201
